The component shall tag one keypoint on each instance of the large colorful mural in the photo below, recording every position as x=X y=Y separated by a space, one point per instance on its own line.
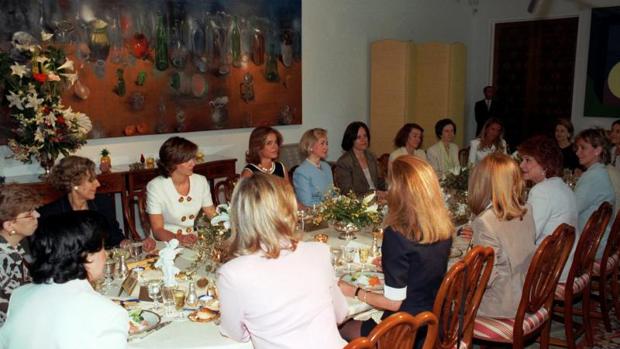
x=162 y=66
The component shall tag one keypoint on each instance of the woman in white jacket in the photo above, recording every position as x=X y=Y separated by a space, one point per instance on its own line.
x=60 y=309
x=490 y=140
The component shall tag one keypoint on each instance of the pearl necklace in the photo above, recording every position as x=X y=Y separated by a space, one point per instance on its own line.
x=267 y=170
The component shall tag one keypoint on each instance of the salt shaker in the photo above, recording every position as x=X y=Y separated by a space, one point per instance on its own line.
x=191 y=300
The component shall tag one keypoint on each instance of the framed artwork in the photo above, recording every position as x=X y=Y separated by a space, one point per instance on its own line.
x=162 y=66
x=603 y=78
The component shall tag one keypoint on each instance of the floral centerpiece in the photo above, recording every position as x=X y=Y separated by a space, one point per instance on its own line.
x=211 y=236
x=454 y=185
x=348 y=213
x=33 y=77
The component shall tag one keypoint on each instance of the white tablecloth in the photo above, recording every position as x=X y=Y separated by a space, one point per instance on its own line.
x=185 y=334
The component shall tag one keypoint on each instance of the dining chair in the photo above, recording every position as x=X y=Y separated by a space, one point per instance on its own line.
x=464 y=157
x=398 y=331
x=383 y=161
x=605 y=276
x=577 y=284
x=534 y=312
x=225 y=188
x=459 y=297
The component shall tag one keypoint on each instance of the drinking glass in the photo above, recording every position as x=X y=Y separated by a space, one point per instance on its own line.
x=168 y=295
x=179 y=302
x=336 y=254
x=349 y=256
x=108 y=271
x=364 y=252
x=136 y=250
x=154 y=289
x=301 y=217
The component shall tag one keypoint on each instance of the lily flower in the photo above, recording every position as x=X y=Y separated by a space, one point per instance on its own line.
x=19 y=70
x=68 y=64
x=45 y=36
x=372 y=209
x=15 y=100
x=368 y=198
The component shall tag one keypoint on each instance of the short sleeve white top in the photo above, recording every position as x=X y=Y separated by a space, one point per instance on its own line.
x=178 y=211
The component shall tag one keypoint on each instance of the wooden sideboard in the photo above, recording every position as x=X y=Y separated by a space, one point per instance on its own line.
x=128 y=184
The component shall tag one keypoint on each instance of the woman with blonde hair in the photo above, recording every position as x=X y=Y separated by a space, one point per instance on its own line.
x=313 y=177
x=416 y=245
x=505 y=223
x=261 y=298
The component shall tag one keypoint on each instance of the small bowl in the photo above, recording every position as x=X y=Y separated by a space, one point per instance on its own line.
x=320 y=237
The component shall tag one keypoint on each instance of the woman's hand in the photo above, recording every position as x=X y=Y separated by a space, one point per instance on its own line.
x=148 y=244
x=467 y=232
x=187 y=240
x=377 y=263
x=347 y=289
x=125 y=243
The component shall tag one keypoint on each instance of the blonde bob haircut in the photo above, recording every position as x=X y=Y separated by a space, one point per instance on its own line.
x=416 y=206
x=497 y=181
x=263 y=214
x=309 y=138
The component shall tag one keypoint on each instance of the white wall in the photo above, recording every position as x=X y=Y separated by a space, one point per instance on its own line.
x=480 y=58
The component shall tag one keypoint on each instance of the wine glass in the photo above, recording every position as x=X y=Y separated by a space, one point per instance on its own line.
x=108 y=273
x=364 y=252
x=349 y=256
x=336 y=254
x=154 y=289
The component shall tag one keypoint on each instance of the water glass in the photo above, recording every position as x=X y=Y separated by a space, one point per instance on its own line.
x=169 y=303
x=136 y=250
x=336 y=255
x=349 y=256
x=154 y=289
x=108 y=273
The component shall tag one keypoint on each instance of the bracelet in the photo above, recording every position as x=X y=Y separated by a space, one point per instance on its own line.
x=357 y=290
x=365 y=297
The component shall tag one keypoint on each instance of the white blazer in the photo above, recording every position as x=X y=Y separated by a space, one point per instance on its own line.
x=64 y=316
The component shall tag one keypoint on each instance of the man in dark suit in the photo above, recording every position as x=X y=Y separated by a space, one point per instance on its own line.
x=486 y=108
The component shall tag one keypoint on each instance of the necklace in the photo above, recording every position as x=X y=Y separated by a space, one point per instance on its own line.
x=267 y=170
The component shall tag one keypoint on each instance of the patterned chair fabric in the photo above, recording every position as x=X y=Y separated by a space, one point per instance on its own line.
x=578 y=286
x=501 y=330
x=611 y=263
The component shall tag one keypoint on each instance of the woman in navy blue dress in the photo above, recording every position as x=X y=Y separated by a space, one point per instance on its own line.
x=415 y=249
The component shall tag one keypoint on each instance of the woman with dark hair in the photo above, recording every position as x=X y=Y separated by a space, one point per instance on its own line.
x=263 y=151
x=18 y=220
x=594 y=186
x=563 y=134
x=261 y=296
x=553 y=202
x=408 y=141
x=444 y=155
x=176 y=196
x=75 y=176
x=357 y=169
x=505 y=223
x=614 y=137
x=490 y=140
x=415 y=249
x=60 y=309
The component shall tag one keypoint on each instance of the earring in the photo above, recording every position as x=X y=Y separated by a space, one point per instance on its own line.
x=75 y=187
x=12 y=232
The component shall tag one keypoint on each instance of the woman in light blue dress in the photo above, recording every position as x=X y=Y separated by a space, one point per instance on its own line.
x=313 y=178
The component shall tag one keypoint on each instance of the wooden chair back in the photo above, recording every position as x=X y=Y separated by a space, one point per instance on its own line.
x=613 y=245
x=587 y=245
x=143 y=216
x=462 y=289
x=224 y=189
x=398 y=331
x=464 y=156
x=543 y=275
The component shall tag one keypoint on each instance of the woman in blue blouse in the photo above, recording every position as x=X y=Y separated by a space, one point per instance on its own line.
x=594 y=186
x=313 y=178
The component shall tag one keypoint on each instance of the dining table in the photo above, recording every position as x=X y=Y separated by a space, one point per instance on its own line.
x=185 y=334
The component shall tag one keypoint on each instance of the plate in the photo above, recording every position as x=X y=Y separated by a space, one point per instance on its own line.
x=365 y=280
x=209 y=303
x=209 y=315
x=150 y=320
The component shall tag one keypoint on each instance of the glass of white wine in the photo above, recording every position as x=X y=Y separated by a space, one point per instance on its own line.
x=364 y=252
x=154 y=289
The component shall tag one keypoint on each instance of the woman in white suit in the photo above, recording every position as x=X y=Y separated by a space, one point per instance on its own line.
x=444 y=155
x=60 y=309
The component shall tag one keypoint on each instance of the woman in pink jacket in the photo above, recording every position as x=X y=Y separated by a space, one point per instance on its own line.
x=275 y=290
